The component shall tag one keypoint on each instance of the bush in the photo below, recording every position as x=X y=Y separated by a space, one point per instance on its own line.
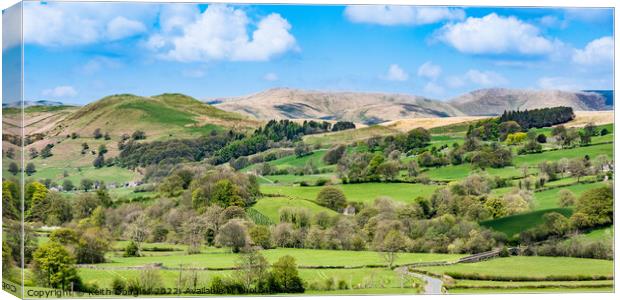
x=132 y=250
x=118 y=286
x=331 y=197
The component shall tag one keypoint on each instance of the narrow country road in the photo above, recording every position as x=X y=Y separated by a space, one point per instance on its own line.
x=433 y=285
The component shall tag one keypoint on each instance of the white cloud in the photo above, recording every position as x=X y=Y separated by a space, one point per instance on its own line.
x=270 y=77
x=221 y=33
x=429 y=70
x=64 y=91
x=485 y=78
x=493 y=34
x=173 y=17
x=121 y=27
x=391 y=15
x=395 y=73
x=432 y=88
x=596 y=52
x=66 y=24
x=478 y=78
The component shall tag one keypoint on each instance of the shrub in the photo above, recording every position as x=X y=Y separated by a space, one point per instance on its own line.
x=331 y=197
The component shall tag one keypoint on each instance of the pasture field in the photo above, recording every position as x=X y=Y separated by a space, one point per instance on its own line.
x=224 y=258
x=362 y=192
x=515 y=224
x=319 y=281
x=270 y=206
x=601 y=233
x=549 y=198
x=529 y=268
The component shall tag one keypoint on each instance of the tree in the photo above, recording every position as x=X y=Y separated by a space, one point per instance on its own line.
x=516 y=138
x=10 y=153
x=13 y=168
x=53 y=267
x=556 y=224
x=417 y=138
x=597 y=205
x=577 y=168
x=138 y=135
x=194 y=231
x=7 y=260
x=286 y=276
x=334 y=154
x=102 y=149
x=566 y=198
x=97 y=133
x=67 y=185
x=508 y=127
x=86 y=184
x=99 y=161
x=30 y=169
x=251 y=268
x=302 y=149
x=33 y=153
x=47 y=151
x=541 y=138
x=84 y=205
x=92 y=245
x=233 y=234
x=261 y=236
x=331 y=197
x=138 y=231
x=393 y=243
x=10 y=200
x=225 y=194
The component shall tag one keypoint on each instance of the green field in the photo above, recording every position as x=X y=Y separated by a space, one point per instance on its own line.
x=534 y=267
x=550 y=198
x=364 y=281
x=515 y=224
x=601 y=233
x=223 y=258
x=362 y=192
x=271 y=205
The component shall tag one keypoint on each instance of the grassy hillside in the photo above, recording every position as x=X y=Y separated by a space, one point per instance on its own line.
x=166 y=115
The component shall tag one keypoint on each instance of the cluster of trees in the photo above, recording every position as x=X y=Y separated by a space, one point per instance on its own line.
x=594 y=208
x=134 y=154
x=343 y=125
x=538 y=118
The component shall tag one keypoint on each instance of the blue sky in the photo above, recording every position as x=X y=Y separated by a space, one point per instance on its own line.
x=80 y=52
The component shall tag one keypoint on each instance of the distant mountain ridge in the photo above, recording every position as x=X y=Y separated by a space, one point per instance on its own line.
x=496 y=101
x=373 y=108
x=33 y=103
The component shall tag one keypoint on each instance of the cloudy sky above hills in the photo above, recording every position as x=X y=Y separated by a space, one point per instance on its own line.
x=79 y=52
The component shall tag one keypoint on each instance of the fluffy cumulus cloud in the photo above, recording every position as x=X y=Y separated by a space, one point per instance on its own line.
x=67 y=24
x=429 y=70
x=596 y=52
x=494 y=34
x=395 y=73
x=222 y=33
x=59 y=92
x=121 y=27
x=390 y=15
